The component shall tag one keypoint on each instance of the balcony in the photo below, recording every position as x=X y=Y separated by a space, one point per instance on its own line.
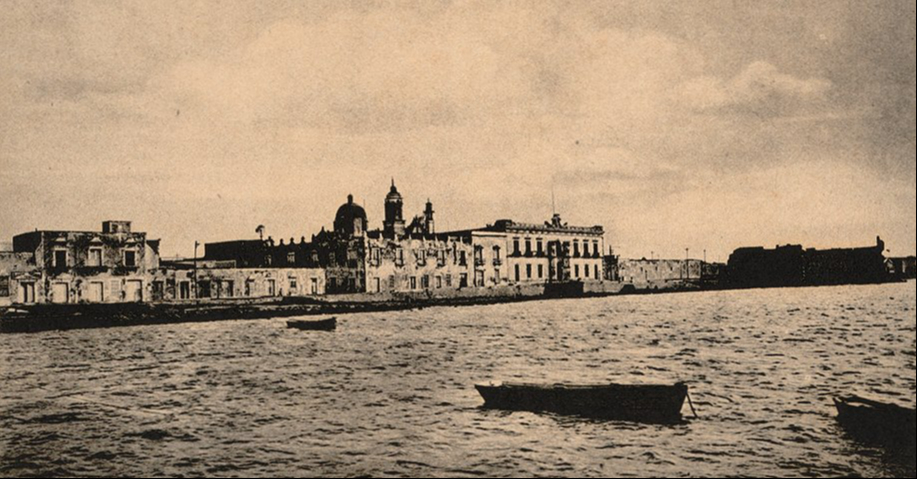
x=498 y=262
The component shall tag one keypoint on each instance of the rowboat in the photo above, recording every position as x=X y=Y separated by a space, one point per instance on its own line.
x=635 y=403
x=877 y=423
x=329 y=324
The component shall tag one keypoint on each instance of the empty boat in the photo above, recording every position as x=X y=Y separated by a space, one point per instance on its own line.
x=877 y=423
x=329 y=324
x=637 y=403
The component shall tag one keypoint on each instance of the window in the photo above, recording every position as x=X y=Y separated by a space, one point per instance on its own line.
x=448 y=280
x=586 y=270
x=399 y=257
x=130 y=258
x=576 y=271
x=540 y=246
x=291 y=257
x=294 y=285
x=585 y=248
x=95 y=257
x=227 y=289
x=528 y=271
x=518 y=276
x=595 y=249
x=4 y=286
x=439 y=282
x=479 y=279
x=528 y=247
x=314 y=286
x=576 y=249
x=478 y=255
x=597 y=276
x=516 y=246
x=204 y=289
x=391 y=282
x=497 y=278
x=463 y=258
x=540 y=271
x=249 y=287
x=425 y=282
x=498 y=260
x=441 y=257
x=463 y=280
x=413 y=283
x=60 y=258
x=158 y=290
x=272 y=287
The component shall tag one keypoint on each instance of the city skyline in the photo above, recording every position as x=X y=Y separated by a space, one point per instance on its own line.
x=707 y=126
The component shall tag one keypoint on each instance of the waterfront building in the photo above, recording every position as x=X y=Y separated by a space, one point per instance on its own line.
x=665 y=273
x=114 y=265
x=903 y=268
x=514 y=253
x=795 y=266
x=20 y=278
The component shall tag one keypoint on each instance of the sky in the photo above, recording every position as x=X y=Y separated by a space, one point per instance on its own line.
x=704 y=125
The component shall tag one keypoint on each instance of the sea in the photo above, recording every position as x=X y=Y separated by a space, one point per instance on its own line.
x=392 y=394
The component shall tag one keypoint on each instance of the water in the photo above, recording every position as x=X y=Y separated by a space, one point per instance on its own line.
x=391 y=394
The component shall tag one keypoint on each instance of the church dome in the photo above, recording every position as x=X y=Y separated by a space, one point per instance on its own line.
x=393 y=195
x=350 y=218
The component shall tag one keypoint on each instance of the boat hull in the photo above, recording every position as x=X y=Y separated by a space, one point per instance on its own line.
x=322 y=325
x=651 y=404
x=877 y=423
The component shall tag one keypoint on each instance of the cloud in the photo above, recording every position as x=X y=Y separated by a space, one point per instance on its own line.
x=760 y=88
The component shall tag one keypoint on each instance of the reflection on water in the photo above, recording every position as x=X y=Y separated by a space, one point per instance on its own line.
x=391 y=394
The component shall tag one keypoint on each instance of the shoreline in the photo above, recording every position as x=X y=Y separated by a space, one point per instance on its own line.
x=56 y=317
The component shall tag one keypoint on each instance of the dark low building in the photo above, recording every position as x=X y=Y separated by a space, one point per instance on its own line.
x=903 y=268
x=795 y=266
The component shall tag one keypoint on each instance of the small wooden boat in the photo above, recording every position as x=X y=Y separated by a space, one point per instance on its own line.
x=877 y=423
x=329 y=324
x=649 y=404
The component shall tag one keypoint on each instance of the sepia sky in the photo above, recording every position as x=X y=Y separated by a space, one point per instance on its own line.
x=695 y=124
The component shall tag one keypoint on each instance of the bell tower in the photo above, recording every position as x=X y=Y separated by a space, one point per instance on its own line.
x=394 y=214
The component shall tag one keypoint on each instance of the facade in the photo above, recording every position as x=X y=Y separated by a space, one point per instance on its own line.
x=553 y=252
x=529 y=254
x=412 y=258
x=661 y=271
x=417 y=263
x=110 y=266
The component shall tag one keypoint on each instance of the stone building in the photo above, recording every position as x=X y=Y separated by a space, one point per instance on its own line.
x=795 y=266
x=113 y=265
x=413 y=258
x=508 y=252
x=20 y=278
x=662 y=272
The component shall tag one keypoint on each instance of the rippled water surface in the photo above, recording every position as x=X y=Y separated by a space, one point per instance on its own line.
x=391 y=394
